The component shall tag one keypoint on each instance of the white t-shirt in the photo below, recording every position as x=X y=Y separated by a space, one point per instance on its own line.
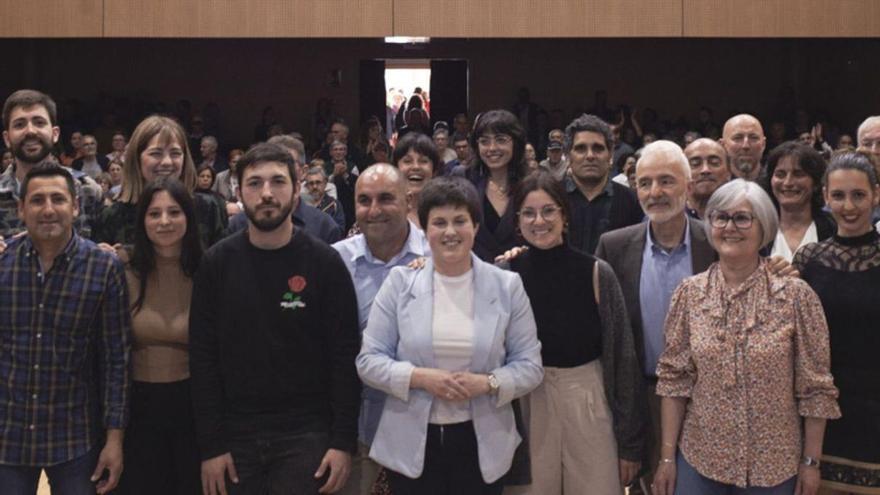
x=453 y=330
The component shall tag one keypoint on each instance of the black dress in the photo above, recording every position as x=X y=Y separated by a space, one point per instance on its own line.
x=845 y=273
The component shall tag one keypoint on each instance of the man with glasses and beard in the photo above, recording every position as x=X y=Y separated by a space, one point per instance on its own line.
x=30 y=131
x=273 y=339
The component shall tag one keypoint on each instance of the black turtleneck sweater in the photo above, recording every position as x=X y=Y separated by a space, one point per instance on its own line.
x=559 y=283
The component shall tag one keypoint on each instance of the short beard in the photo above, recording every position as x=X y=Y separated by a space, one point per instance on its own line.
x=21 y=156
x=745 y=166
x=268 y=224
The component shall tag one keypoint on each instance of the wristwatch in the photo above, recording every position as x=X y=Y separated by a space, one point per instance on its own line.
x=493 y=384
x=810 y=461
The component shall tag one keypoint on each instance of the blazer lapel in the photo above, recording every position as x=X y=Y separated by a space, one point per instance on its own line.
x=421 y=313
x=486 y=314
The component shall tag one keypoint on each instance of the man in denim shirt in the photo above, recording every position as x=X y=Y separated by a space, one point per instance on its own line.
x=386 y=240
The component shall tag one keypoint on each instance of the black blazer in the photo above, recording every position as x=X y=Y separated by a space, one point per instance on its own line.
x=623 y=249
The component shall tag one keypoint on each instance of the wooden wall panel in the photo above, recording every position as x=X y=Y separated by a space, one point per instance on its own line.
x=781 y=18
x=248 y=18
x=537 y=19
x=51 y=18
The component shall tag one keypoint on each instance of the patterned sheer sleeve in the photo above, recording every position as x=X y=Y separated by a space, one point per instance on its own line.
x=804 y=255
x=676 y=371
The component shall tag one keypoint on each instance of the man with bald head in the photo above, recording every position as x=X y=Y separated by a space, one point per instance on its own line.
x=869 y=138
x=709 y=171
x=650 y=259
x=743 y=139
x=387 y=240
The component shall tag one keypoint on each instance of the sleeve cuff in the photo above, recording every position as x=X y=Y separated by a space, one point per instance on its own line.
x=343 y=442
x=401 y=374
x=211 y=448
x=680 y=387
x=819 y=407
x=506 y=387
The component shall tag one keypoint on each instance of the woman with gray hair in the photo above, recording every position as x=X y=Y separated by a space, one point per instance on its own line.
x=746 y=364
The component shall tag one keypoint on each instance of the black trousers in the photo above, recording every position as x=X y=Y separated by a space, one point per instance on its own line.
x=452 y=465
x=160 y=452
x=278 y=463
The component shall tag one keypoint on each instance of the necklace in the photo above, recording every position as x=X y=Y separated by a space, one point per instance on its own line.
x=496 y=187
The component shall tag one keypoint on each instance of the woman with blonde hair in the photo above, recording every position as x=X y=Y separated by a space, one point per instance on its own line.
x=158 y=148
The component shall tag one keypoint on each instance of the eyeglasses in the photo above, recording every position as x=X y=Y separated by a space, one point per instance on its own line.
x=314 y=183
x=500 y=140
x=741 y=220
x=548 y=213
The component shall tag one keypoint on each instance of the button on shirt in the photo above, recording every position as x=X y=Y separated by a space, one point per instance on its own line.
x=615 y=207
x=53 y=326
x=662 y=271
x=368 y=273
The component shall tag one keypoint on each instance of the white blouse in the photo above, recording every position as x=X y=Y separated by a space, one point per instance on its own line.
x=780 y=245
x=453 y=328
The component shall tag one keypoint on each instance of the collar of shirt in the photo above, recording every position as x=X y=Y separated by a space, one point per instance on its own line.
x=415 y=244
x=571 y=187
x=61 y=259
x=683 y=248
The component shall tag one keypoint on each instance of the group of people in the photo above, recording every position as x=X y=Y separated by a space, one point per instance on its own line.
x=430 y=324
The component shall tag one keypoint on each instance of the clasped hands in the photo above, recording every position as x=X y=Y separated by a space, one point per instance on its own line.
x=450 y=385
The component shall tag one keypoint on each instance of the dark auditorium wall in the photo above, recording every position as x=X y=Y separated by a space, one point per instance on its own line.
x=671 y=75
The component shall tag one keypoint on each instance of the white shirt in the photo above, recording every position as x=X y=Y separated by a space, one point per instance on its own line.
x=780 y=246
x=453 y=328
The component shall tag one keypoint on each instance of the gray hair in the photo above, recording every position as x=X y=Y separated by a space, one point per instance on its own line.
x=317 y=171
x=589 y=123
x=210 y=140
x=289 y=143
x=732 y=194
x=668 y=151
x=872 y=120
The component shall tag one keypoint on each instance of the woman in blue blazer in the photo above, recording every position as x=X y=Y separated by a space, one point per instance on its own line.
x=451 y=344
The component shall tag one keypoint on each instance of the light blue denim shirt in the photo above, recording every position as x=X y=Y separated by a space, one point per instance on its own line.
x=662 y=271
x=368 y=273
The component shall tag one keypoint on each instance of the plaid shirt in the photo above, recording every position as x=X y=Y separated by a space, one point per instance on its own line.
x=88 y=193
x=64 y=352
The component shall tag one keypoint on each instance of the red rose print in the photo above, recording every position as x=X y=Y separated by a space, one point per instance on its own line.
x=296 y=283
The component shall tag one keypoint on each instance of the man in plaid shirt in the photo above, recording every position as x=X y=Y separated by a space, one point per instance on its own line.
x=64 y=338
x=33 y=144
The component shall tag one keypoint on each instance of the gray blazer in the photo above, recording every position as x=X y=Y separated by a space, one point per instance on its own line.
x=623 y=249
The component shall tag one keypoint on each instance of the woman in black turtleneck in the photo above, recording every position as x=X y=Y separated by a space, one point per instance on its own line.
x=585 y=419
x=844 y=270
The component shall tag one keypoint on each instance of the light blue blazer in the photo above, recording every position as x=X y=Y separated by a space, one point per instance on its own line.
x=399 y=338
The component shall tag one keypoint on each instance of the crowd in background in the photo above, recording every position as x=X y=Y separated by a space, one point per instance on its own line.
x=506 y=303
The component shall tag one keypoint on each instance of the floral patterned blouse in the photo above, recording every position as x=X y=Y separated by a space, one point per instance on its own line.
x=752 y=360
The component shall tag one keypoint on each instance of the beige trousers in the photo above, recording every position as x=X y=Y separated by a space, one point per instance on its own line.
x=571 y=435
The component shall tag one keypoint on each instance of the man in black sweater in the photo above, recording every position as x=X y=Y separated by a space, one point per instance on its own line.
x=273 y=339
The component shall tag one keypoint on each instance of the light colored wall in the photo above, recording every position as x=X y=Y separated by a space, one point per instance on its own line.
x=447 y=18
